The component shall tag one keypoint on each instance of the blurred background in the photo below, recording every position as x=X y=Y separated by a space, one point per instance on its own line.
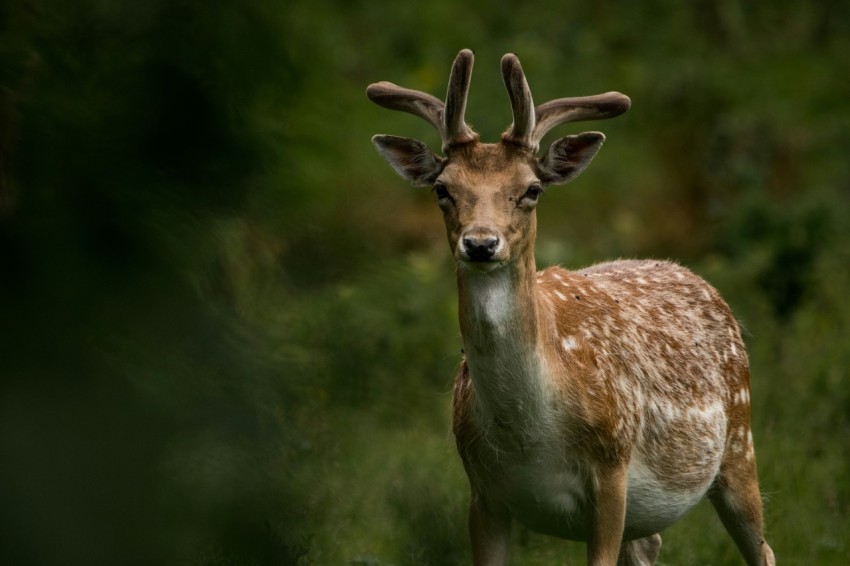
x=229 y=330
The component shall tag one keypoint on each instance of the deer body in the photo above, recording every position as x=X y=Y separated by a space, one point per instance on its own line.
x=597 y=405
x=612 y=349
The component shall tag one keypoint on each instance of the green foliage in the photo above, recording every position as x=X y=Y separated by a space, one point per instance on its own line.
x=230 y=332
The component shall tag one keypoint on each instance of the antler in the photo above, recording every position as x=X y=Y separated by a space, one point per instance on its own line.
x=522 y=105
x=456 y=128
x=447 y=118
x=529 y=126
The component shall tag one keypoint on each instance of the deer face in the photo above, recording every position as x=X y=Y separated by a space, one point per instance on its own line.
x=488 y=194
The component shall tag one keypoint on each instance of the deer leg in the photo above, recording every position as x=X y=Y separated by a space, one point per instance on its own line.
x=640 y=552
x=490 y=534
x=609 y=515
x=735 y=496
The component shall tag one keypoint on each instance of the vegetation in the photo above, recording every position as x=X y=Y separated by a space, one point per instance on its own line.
x=229 y=330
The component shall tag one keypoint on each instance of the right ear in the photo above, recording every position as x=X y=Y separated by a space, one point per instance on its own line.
x=410 y=158
x=568 y=157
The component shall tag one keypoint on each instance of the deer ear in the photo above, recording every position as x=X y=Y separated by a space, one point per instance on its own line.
x=410 y=158
x=568 y=157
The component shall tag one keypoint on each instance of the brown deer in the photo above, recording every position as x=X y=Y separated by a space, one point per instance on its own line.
x=596 y=405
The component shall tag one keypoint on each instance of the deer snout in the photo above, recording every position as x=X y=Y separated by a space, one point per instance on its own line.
x=479 y=246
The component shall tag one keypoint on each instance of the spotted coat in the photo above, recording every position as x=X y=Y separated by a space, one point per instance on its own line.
x=644 y=363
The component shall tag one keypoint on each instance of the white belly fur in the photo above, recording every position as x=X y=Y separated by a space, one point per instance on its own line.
x=552 y=496
x=651 y=507
x=547 y=496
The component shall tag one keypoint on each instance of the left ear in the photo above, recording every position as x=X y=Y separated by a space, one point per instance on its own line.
x=568 y=157
x=410 y=158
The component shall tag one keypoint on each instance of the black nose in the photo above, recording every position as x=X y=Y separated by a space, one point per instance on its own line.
x=480 y=248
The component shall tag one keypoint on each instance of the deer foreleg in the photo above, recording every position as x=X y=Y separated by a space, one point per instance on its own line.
x=609 y=514
x=490 y=534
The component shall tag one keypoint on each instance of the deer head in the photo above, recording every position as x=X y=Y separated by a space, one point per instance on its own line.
x=488 y=192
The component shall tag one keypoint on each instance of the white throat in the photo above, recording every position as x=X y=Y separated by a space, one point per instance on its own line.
x=493 y=302
x=501 y=351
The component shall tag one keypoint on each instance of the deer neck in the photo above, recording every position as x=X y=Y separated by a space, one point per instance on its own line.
x=499 y=315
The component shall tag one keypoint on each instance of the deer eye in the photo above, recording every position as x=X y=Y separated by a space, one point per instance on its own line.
x=441 y=191
x=532 y=193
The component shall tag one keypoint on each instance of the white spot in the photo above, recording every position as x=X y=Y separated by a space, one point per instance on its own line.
x=641 y=281
x=734 y=350
x=560 y=295
x=569 y=343
x=706 y=295
x=709 y=413
x=556 y=276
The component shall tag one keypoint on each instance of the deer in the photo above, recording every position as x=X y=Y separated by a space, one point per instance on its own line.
x=597 y=405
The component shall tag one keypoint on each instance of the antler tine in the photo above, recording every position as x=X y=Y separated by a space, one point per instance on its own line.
x=522 y=104
x=457 y=131
x=418 y=103
x=576 y=109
